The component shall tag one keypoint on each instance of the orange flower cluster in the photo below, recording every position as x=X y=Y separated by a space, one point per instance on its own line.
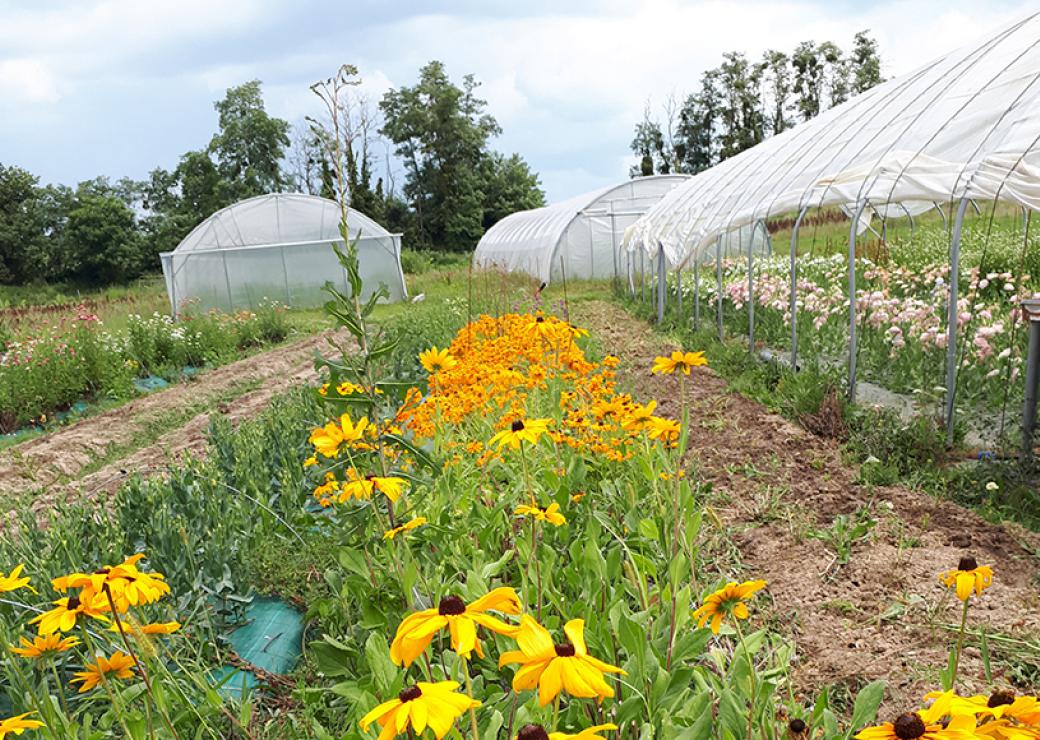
x=497 y=361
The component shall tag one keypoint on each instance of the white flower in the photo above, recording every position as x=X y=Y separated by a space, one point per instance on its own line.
x=992 y=486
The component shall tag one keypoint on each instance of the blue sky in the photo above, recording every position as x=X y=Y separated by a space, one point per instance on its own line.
x=118 y=87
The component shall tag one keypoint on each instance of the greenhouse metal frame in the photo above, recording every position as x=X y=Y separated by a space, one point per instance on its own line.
x=961 y=129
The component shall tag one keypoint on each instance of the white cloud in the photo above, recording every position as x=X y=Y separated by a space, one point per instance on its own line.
x=28 y=80
x=567 y=87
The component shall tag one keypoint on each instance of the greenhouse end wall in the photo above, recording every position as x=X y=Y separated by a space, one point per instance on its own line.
x=236 y=278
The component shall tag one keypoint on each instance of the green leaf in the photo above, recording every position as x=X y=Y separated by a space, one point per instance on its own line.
x=382 y=669
x=865 y=709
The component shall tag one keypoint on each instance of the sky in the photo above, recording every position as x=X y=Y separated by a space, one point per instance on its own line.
x=119 y=87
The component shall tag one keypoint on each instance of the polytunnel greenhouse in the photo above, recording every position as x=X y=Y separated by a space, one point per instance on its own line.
x=277 y=247
x=575 y=239
x=958 y=139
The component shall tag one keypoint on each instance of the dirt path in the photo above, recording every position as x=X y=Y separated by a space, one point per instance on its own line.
x=774 y=484
x=63 y=465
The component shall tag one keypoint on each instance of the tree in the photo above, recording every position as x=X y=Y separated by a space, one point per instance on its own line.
x=865 y=63
x=695 y=140
x=509 y=186
x=836 y=73
x=649 y=146
x=21 y=225
x=776 y=67
x=103 y=233
x=441 y=133
x=740 y=115
x=249 y=146
x=808 y=79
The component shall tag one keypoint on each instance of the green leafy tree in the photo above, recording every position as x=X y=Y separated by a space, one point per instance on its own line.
x=441 y=132
x=250 y=145
x=509 y=186
x=865 y=63
x=104 y=237
x=740 y=113
x=650 y=147
x=808 y=79
x=836 y=75
x=776 y=66
x=695 y=140
x=21 y=223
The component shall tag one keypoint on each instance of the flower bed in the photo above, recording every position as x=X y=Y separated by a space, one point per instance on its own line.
x=77 y=359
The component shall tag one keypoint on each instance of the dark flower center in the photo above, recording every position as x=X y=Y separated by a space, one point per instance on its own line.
x=73 y=603
x=410 y=694
x=1000 y=698
x=796 y=726
x=451 y=606
x=908 y=727
x=968 y=563
x=517 y=426
x=540 y=319
x=565 y=650
x=102 y=571
x=532 y=732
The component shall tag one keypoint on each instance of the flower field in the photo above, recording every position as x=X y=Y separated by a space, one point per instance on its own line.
x=494 y=533
x=901 y=305
x=48 y=367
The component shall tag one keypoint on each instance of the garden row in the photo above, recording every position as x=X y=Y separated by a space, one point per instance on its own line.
x=76 y=359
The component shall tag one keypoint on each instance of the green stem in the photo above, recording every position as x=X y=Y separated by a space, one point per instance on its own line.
x=139 y=664
x=61 y=687
x=751 y=677
x=469 y=691
x=537 y=566
x=116 y=705
x=960 y=646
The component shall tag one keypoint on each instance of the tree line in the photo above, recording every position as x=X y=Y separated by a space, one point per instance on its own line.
x=105 y=231
x=742 y=102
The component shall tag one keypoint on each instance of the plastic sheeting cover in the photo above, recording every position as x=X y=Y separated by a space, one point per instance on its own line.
x=967 y=125
x=277 y=248
x=575 y=238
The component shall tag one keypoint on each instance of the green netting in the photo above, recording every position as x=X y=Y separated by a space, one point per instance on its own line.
x=270 y=639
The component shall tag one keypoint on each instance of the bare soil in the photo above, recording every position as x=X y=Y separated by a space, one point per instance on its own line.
x=883 y=615
x=58 y=467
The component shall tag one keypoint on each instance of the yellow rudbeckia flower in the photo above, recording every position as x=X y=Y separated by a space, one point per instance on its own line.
x=14 y=580
x=126 y=585
x=407 y=526
x=42 y=647
x=551 y=514
x=728 y=600
x=555 y=668
x=417 y=630
x=969 y=576
x=433 y=705
x=62 y=618
x=363 y=487
x=434 y=360
x=913 y=726
x=120 y=665
x=18 y=725
x=519 y=431
x=327 y=439
x=683 y=361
